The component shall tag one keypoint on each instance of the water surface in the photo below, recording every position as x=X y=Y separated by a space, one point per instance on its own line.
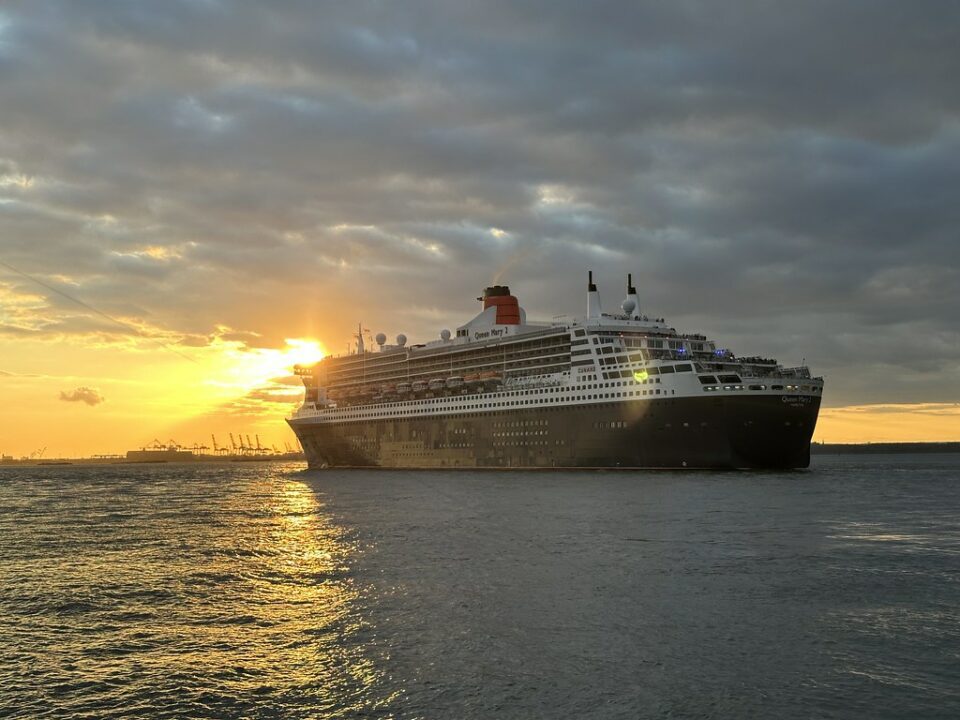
x=250 y=590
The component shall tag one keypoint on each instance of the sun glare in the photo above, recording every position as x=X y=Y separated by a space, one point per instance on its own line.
x=250 y=368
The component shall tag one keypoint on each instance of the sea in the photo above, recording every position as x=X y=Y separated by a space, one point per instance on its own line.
x=258 y=590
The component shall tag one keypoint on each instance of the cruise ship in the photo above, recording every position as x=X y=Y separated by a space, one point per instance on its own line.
x=606 y=390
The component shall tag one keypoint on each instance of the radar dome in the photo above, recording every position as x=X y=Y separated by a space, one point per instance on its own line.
x=629 y=305
x=401 y=339
x=444 y=334
x=381 y=339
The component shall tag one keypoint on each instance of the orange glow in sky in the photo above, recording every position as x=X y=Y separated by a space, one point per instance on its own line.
x=248 y=369
x=78 y=399
x=150 y=393
x=104 y=392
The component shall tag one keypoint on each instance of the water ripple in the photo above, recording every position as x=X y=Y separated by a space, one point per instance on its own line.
x=264 y=592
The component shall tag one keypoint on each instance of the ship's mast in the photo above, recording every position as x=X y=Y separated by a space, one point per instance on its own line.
x=593 y=298
x=632 y=299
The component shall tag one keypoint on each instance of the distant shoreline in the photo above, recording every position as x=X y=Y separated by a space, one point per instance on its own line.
x=878 y=448
x=885 y=448
x=185 y=459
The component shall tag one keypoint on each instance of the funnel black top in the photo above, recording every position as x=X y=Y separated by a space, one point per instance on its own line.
x=496 y=291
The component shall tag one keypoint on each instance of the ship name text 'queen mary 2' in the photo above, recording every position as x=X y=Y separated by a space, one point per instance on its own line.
x=605 y=390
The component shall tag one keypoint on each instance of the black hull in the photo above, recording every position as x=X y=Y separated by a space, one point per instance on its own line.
x=769 y=431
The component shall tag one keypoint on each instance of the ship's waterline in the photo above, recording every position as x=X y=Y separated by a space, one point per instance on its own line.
x=604 y=390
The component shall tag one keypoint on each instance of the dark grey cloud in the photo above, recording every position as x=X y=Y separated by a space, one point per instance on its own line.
x=86 y=395
x=781 y=175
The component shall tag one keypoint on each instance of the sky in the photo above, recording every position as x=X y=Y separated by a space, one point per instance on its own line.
x=196 y=194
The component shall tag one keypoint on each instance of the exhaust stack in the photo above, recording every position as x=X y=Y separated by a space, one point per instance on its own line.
x=508 y=308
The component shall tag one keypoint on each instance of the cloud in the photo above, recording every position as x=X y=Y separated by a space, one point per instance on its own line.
x=778 y=175
x=275 y=395
x=90 y=396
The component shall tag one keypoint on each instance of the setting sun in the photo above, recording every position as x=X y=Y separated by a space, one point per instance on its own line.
x=248 y=368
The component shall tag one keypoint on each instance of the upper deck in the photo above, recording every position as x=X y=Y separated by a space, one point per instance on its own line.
x=499 y=351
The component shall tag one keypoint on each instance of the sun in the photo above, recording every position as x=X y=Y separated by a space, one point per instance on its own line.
x=299 y=351
x=249 y=368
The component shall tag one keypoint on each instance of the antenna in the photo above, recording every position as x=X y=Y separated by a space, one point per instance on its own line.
x=594 y=309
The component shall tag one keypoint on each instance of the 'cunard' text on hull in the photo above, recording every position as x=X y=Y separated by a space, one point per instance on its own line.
x=605 y=390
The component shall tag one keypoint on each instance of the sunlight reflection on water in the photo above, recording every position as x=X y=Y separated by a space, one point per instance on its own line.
x=223 y=594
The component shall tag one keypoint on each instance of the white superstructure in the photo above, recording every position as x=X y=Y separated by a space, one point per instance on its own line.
x=499 y=361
